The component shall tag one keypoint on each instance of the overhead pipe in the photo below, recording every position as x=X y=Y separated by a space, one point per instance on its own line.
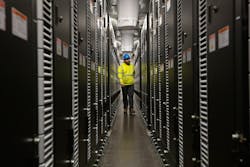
x=128 y=11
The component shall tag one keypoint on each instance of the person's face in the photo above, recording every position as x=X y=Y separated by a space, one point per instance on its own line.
x=127 y=61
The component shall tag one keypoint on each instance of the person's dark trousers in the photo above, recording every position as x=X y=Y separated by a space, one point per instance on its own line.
x=128 y=92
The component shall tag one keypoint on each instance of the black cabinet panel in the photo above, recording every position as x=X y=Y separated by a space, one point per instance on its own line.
x=63 y=145
x=18 y=71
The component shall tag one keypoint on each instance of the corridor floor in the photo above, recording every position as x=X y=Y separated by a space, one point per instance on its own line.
x=129 y=144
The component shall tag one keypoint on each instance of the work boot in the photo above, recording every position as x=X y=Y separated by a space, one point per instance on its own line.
x=132 y=111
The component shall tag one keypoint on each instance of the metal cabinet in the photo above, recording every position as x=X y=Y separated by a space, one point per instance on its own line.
x=66 y=83
x=171 y=82
x=145 y=83
x=190 y=84
x=220 y=77
x=62 y=86
x=83 y=84
x=19 y=92
x=26 y=92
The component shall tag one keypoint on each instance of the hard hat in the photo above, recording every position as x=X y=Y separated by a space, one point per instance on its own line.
x=126 y=56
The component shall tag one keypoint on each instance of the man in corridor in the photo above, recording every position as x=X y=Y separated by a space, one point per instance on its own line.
x=126 y=74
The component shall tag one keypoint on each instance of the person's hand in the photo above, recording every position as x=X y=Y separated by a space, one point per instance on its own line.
x=122 y=85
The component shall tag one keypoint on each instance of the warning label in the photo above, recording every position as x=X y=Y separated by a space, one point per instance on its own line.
x=189 y=54
x=99 y=69
x=162 y=68
x=223 y=37
x=184 y=57
x=80 y=58
x=2 y=16
x=19 y=24
x=212 y=43
x=160 y=21
x=65 y=50
x=91 y=3
x=58 y=46
x=171 y=63
x=84 y=61
x=93 y=66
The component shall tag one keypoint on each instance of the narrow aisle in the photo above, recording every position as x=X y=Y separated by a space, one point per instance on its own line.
x=129 y=145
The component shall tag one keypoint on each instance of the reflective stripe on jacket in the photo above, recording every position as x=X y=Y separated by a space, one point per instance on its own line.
x=126 y=74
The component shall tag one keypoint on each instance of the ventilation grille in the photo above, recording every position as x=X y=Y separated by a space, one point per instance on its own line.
x=88 y=78
x=75 y=87
x=45 y=81
x=103 y=67
x=97 y=34
x=159 y=70
x=154 y=78
x=203 y=83
x=105 y=70
x=150 y=97
x=167 y=79
x=103 y=75
x=151 y=81
x=180 y=83
x=154 y=66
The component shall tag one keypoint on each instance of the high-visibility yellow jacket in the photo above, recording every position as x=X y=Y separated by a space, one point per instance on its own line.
x=126 y=74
